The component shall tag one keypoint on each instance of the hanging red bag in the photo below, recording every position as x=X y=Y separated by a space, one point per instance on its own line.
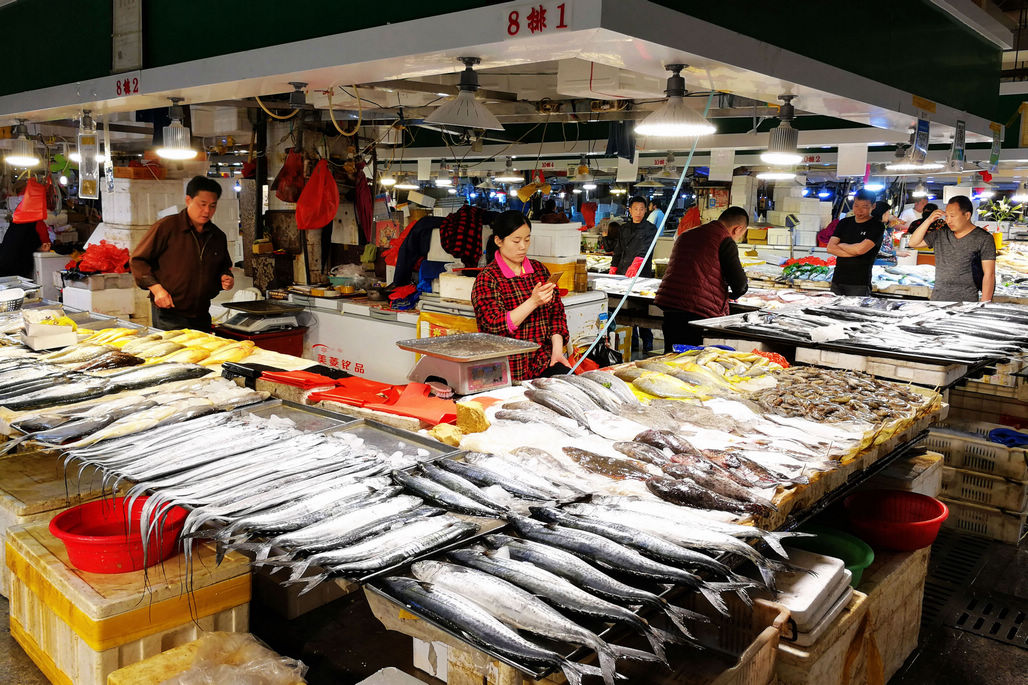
x=33 y=204
x=319 y=200
x=288 y=183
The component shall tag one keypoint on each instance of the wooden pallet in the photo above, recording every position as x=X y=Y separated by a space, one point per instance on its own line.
x=78 y=627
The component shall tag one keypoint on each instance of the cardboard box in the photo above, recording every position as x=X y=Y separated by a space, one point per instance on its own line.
x=756 y=236
x=50 y=341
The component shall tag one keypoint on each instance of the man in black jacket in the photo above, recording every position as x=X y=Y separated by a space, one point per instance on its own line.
x=633 y=241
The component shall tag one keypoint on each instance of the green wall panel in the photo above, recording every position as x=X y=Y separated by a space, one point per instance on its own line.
x=50 y=42
x=908 y=44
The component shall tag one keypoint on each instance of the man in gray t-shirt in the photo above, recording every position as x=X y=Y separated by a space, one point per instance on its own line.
x=959 y=250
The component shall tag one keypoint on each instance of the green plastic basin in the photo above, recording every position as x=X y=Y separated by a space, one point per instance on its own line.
x=832 y=542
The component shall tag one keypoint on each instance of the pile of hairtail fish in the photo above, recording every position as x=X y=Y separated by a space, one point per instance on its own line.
x=614 y=486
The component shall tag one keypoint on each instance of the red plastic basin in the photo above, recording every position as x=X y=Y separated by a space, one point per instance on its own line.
x=895 y=519
x=100 y=538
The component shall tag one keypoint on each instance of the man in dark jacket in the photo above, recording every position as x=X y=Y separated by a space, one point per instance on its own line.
x=183 y=261
x=633 y=241
x=702 y=272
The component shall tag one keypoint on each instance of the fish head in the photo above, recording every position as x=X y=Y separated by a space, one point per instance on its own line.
x=498 y=540
x=427 y=570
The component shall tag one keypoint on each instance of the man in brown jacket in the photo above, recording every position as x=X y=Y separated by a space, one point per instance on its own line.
x=183 y=261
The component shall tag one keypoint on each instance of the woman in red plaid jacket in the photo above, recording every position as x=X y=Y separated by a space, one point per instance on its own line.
x=512 y=298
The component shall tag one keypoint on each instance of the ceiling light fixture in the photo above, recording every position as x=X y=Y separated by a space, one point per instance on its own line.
x=22 y=152
x=486 y=185
x=510 y=174
x=618 y=191
x=77 y=158
x=388 y=180
x=451 y=191
x=920 y=191
x=589 y=186
x=905 y=161
x=776 y=175
x=466 y=110
x=177 y=140
x=577 y=191
x=406 y=184
x=583 y=174
x=675 y=119
x=649 y=182
x=783 y=139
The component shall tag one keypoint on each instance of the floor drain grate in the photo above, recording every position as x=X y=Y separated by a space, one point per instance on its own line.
x=996 y=617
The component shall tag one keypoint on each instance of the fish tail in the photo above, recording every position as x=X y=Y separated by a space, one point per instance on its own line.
x=712 y=595
x=684 y=614
x=11 y=444
x=744 y=596
x=574 y=671
x=629 y=653
x=657 y=637
x=774 y=540
x=767 y=574
x=312 y=582
x=608 y=663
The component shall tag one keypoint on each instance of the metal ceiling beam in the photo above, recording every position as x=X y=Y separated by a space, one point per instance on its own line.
x=437 y=88
x=143 y=129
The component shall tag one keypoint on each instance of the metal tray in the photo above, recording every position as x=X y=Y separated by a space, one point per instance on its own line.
x=468 y=347
x=268 y=307
x=307 y=419
x=389 y=439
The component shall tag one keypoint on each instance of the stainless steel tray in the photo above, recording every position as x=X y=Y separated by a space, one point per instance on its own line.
x=468 y=347
x=307 y=419
x=389 y=439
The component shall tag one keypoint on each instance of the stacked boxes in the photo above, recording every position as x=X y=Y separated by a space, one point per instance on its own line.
x=984 y=483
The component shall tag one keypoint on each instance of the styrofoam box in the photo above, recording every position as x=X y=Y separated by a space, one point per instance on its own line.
x=779 y=236
x=804 y=238
x=810 y=205
x=421 y=199
x=113 y=301
x=207 y=120
x=555 y=240
x=776 y=217
x=455 y=287
x=137 y=202
x=124 y=236
x=791 y=205
x=809 y=222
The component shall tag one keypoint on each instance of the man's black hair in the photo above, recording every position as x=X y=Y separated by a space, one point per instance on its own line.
x=962 y=201
x=734 y=216
x=636 y=198
x=202 y=183
x=866 y=195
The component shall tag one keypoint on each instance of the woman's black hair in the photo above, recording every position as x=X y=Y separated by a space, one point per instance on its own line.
x=503 y=225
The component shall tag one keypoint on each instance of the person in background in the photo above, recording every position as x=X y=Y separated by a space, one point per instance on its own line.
x=513 y=298
x=855 y=244
x=914 y=212
x=551 y=215
x=610 y=240
x=183 y=261
x=19 y=243
x=702 y=273
x=656 y=214
x=887 y=251
x=960 y=252
x=925 y=213
x=633 y=242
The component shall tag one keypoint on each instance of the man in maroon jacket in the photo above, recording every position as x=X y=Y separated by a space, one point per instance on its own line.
x=703 y=270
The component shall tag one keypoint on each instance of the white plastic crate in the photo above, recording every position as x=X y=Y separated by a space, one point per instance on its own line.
x=973 y=452
x=982 y=488
x=805 y=238
x=137 y=202
x=555 y=240
x=112 y=301
x=987 y=522
x=779 y=236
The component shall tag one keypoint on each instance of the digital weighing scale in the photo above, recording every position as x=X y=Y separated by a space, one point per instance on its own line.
x=467 y=362
x=260 y=316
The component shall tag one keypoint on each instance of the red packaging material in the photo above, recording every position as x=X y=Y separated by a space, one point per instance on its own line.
x=319 y=200
x=289 y=181
x=102 y=258
x=33 y=205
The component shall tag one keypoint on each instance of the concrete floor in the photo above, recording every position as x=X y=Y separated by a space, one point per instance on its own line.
x=961 y=568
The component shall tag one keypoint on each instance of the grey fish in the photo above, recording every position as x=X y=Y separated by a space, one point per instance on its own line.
x=156 y=374
x=562 y=385
x=76 y=354
x=642 y=452
x=110 y=360
x=562 y=593
x=614 y=384
x=653 y=417
x=16 y=390
x=628 y=373
x=611 y=467
x=662 y=439
x=689 y=494
x=748 y=469
x=479 y=627
x=520 y=609
x=484 y=477
x=444 y=496
x=601 y=396
x=556 y=403
x=707 y=466
x=66 y=393
x=717 y=483
x=534 y=415
x=586 y=576
x=502 y=467
x=459 y=484
x=72 y=430
x=384 y=550
x=651 y=545
x=613 y=555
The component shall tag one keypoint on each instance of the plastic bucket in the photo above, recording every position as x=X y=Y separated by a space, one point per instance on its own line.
x=896 y=519
x=831 y=542
x=102 y=537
